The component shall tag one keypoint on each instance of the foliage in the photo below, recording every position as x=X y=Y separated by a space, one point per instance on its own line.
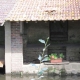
x=42 y=57
x=61 y=55
x=63 y=72
x=55 y=56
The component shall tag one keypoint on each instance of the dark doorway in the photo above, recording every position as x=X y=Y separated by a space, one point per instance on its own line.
x=58 y=36
x=2 y=70
x=2 y=48
x=58 y=31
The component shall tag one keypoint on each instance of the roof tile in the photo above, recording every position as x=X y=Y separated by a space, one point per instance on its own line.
x=45 y=10
x=5 y=7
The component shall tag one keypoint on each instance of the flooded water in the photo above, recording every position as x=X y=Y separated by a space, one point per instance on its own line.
x=8 y=77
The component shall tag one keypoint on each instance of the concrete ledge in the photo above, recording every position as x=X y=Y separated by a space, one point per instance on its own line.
x=61 y=63
x=69 y=68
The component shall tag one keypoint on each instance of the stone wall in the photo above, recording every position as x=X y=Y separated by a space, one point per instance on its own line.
x=16 y=47
x=32 y=54
x=73 y=53
x=65 y=67
x=74 y=31
x=32 y=32
x=73 y=49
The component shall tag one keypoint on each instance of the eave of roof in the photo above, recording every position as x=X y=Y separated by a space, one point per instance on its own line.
x=38 y=10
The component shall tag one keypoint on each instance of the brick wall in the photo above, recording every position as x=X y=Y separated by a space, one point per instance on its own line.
x=16 y=47
x=31 y=54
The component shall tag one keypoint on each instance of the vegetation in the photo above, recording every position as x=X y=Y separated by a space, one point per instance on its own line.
x=55 y=56
x=42 y=57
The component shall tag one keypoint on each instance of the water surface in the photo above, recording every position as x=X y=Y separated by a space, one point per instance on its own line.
x=8 y=77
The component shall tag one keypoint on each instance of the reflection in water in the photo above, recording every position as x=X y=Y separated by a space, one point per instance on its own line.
x=8 y=77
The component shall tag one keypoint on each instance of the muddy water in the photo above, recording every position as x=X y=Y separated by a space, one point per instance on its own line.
x=8 y=77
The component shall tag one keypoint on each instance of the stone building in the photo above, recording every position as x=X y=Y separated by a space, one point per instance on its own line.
x=5 y=8
x=31 y=20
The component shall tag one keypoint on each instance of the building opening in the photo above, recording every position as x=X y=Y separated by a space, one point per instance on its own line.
x=58 y=37
x=2 y=70
x=33 y=31
x=64 y=38
x=2 y=50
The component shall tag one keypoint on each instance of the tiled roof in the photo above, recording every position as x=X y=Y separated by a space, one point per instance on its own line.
x=45 y=10
x=5 y=7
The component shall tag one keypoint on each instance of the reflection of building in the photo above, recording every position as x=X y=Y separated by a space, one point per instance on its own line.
x=26 y=22
x=33 y=77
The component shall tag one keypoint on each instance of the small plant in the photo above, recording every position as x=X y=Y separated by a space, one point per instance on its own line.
x=61 y=55
x=54 y=57
x=42 y=57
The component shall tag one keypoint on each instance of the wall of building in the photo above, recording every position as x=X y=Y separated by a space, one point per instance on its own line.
x=74 y=31
x=16 y=47
x=13 y=47
x=67 y=68
x=14 y=42
x=73 y=50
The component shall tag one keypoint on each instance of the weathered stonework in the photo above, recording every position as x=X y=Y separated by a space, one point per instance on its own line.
x=68 y=69
x=16 y=48
x=32 y=32
x=74 y=31
x=73 y=49
x=32 y=53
